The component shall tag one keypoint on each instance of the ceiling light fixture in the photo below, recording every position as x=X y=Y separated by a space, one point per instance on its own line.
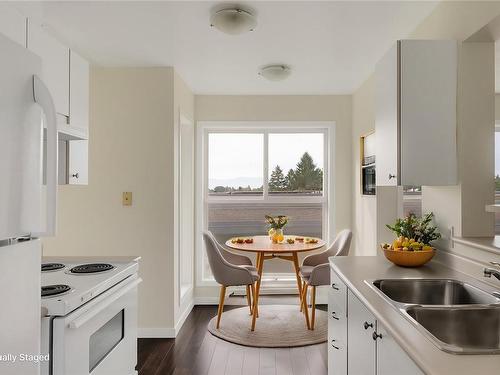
x=233 y=21
x=275 y=72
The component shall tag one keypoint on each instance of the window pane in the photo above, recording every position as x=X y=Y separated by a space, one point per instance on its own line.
x=242 y=219
x=235 y=164
x=296 y=163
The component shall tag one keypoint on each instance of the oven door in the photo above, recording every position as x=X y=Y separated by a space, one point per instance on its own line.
x=99 y=338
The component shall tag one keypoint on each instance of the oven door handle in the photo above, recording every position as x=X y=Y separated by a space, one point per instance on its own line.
x=84 y=318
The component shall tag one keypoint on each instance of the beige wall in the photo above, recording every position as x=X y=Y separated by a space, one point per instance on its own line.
x=364 y=208
x=130 y=149
x=335 y=108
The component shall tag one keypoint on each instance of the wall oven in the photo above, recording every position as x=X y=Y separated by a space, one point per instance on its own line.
x=368 y=176
x=100 y=337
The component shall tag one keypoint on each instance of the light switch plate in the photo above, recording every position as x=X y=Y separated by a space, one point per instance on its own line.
x=127 y=198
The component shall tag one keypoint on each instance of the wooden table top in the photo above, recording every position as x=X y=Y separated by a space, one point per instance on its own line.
x=262 y=244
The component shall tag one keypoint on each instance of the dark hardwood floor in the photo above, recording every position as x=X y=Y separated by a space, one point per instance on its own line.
x=178 y=356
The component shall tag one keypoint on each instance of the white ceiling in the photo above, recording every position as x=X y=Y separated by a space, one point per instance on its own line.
x=331 y=46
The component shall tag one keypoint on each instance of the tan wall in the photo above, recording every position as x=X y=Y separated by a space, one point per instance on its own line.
x=131 y=148
x=364 y=208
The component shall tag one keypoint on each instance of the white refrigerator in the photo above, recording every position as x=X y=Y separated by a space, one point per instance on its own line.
x=28 y=187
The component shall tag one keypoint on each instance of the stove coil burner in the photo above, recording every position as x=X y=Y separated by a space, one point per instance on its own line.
x=52 y=266
x=91 y=268
x=54 y=290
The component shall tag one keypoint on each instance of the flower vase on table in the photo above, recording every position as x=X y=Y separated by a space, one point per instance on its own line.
x=276 y=225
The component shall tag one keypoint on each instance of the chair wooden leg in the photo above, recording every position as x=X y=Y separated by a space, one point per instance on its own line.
x=303 y=287
x=313 y=307
x=249 y=299
x=304 y=306
x=221 y=304
x=255 y=302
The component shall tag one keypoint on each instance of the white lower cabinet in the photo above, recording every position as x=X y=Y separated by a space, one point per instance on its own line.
x=357 y=343
x=337 y=326
x=360 y=327
x=391 y=359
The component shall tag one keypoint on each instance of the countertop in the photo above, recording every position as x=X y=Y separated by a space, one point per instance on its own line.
x=91 y=259
x=355 y=270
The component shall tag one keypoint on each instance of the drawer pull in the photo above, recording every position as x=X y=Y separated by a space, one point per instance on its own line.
x=367 y=325
x=333 y=346
x=333 y=315
x=376 y=336
x=334 y=286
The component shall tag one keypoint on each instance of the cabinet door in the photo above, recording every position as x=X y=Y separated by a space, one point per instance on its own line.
x=79 y=92
x=391 y=359
x=12 y=24
x=360 y=328
x=78 y=162
x=337 y=336
x=428 y=112
x=55 y=65
x=386 y=119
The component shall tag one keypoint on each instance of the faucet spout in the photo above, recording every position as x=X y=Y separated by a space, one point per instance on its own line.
x=488 y=272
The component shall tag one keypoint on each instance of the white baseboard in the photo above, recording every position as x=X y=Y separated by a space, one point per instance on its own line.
x=148 y=333
x=184 y=316
x=166 y=333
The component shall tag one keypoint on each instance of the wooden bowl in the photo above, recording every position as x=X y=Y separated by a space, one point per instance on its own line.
x=409 y=258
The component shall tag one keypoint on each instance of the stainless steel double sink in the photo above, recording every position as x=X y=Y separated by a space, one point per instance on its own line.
x=458 y=317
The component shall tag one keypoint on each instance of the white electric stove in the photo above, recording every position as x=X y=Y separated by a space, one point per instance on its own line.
x=89 y=315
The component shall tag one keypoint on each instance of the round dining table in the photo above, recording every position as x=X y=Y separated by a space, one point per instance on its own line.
x=267 y=250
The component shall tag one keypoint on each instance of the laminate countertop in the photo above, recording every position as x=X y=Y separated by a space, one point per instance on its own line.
x=355 y=270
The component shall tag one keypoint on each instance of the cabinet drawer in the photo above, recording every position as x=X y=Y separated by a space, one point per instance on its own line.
x=337 y=357
x=338 y=293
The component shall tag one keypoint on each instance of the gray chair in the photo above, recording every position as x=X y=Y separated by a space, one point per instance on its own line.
x=315 y=271
x=236 y=259
x=226 y=273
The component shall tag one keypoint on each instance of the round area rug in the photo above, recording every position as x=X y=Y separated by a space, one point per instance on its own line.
x=278 y=326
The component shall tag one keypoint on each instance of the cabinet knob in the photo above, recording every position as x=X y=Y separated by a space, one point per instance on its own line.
x=367 y=325
x=391 y=176
x=376 y=336
x=334 y=286
x=75 y=175
x=333 y=316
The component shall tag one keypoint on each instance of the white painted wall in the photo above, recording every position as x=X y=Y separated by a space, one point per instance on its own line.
x=364 y=208
x=459 y=206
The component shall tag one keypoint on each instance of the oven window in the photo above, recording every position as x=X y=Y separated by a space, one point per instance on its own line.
x=105 y=339
x=368 y=182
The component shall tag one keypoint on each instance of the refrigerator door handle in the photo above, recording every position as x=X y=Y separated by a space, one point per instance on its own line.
x=41 y=95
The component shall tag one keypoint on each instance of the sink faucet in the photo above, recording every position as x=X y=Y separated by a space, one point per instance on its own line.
x=488 y=272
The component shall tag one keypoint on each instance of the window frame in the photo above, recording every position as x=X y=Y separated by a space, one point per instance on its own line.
x=203 y=199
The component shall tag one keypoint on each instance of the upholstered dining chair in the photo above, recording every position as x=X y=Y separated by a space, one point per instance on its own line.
x=315 y=271
x=238 y=260
x=226 y=273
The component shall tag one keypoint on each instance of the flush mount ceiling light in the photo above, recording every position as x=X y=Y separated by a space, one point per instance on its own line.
x=275 y=72
x=234 y=20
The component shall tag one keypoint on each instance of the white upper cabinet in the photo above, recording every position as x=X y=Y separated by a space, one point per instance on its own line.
x=55 y=65
x=416 y=90
x=12 y=24
x=79 y=92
